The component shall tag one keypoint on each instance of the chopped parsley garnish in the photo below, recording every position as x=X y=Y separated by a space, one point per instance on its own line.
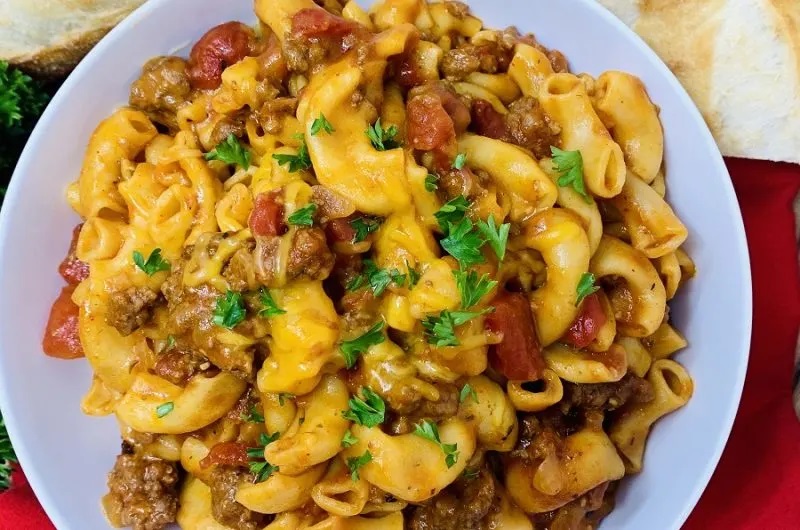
x=153 y=264
x=321 y=124
x=258 y=464
x=170 y=342
x=351 y=349
x=229 y=311
x=496 y=237
x=441 y=329
x=230 y=151
x=460 y=160
x=383 y=139
x=453 y=212
x=569 y=165
x=348 y=440
x=364 y=226
x=586 y=287
x=303 y=216
x=413 y=275
x=467 y=392
x=356 y=463
x=471 y=287
x=269 y=306
x=164 y=409
x=369 y=412
x=431 y=182
x=378 y=279
x=471 y=473
x=297 y=162
x=283 y=396
x=464 y=243
x=253 y=416
x=7 y=456
x=428 y=430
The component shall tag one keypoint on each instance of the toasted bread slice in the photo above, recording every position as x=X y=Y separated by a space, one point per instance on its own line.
x=47 y=38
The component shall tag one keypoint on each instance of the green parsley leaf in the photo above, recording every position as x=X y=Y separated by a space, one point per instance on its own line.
x=471 y=473
x=348 y=440
x=230 y=151
x=170 y=342
x=428 y=430
x=153 y=264
x=569 y=165
x=229 y=311
x=377 y=278
x=356 y=463
x=321 y=124
x=283 y=396
x=303 y=216
x=270 y=307
x=586 y=287
x=382 y=139
x=253 y=416
x=7 y=456
x=464 y=243
x=258 y=464
x=460 y=160
x=352 y=348
x=364 y=226
x=413 y=275
x=369 y=412
x=432 y=182
x=467 y=392
x=441 y=329
x=297 y=162
x=453 y=212
x=496 y=237
x=164 y=409
x=471 y=287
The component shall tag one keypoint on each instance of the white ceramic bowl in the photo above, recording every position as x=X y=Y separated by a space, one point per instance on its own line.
x=67 y=455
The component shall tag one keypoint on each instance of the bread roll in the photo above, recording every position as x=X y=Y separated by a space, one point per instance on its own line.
x=47 y=38
x=740 y=62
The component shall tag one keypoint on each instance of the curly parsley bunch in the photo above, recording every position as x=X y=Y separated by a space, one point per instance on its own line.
x=7 y=457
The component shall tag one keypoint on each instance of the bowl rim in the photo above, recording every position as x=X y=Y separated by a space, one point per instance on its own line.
x=39 y=482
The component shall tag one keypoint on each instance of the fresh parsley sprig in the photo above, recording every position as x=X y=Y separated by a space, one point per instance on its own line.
x=269 y=306
x=230 y=151
x=364 y=226
x=351 y=349
x=472 y=287
x=303 y=216
x=283 y=396
x=428 y=430
x=569 y=165
x=297 y=162
x=467 y=392
x=378 y=279
x=431 y=182
x=460 y=160
x=369 y=412
x=321 y=123
x=357 y=462
x=153 y=264
x=452 y=212
x=441 y=329
x=7 y=457
x=586 y=286
x=464 y=243
x=348 y=440
x=229 y=310
x=254 y=416
x=258 y=464
x=497 y=237
x=383 y=139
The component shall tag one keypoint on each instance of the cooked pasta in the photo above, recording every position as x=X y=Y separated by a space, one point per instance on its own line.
x=374 y=269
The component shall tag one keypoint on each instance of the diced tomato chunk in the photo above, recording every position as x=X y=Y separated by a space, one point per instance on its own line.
x=488 y=122
x=73 y=270
x=316 y=22
x=266 y=219
x=588 y=323
x=434 y=116
x=226 y=454
x=61 y=335
x=339 y=230
x=518 y=356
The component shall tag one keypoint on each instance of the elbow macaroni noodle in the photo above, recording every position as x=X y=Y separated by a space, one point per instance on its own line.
x=286 y=362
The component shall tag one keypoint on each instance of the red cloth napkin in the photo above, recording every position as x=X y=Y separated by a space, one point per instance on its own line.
x=757 y=483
